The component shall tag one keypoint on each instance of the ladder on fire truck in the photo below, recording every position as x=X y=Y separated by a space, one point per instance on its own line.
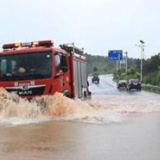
x=71 y=48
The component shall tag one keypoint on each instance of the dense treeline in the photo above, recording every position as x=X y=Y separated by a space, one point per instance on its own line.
x=99 y=64
x=151 y=68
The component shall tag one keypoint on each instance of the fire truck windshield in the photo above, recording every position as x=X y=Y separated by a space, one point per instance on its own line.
x=25 y=66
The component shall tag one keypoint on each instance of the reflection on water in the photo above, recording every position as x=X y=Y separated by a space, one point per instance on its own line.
x=137 y=139
x=35 y=141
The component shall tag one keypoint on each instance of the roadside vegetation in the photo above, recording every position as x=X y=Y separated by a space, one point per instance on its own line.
x=151 y=88
x=151 y=71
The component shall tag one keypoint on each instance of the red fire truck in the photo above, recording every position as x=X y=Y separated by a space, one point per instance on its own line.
x=38 y=68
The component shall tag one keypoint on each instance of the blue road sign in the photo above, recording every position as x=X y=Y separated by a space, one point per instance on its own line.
x=115 y=55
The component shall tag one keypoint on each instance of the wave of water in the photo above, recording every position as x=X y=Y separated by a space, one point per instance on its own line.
x=127 y=104
x=102 y=109
x=15 y=110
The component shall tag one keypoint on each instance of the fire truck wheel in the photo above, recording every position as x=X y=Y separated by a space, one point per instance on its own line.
x=67 y=94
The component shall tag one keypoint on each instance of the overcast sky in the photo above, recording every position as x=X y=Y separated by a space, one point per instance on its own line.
x=96 y=25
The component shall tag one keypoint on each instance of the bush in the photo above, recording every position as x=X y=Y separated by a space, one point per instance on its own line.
x=150 y=88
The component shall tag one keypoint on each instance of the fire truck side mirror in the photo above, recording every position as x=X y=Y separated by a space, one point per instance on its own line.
x=64 y=65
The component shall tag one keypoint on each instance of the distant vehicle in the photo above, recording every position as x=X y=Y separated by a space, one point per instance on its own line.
x=122 y=84
x=134 y=84
x=95 y=79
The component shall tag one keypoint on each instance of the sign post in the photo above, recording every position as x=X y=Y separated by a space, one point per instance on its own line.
x=116 y=55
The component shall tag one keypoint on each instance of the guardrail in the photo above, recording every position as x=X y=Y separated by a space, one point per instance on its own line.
x=151 y=88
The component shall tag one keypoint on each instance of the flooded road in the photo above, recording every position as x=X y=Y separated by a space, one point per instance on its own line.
x=138 y=138
x=114 y=125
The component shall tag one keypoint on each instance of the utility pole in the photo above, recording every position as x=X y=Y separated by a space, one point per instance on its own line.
x=142 y=57
x=126 y=61
x=116 y=66
x=119 y=62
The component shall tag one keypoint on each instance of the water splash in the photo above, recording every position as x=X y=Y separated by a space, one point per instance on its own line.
x=15 y=110
x=62 y=108
x=127 y=104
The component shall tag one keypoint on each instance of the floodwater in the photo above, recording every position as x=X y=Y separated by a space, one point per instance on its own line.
x=114 y=125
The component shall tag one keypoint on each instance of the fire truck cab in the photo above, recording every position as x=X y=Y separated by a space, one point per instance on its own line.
x=37 y=68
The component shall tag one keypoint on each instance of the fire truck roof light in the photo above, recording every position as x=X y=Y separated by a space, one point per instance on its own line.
x=46 y=43
x=8 y=46
x=35 y=43
x=18 y=45
x=26 y=44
